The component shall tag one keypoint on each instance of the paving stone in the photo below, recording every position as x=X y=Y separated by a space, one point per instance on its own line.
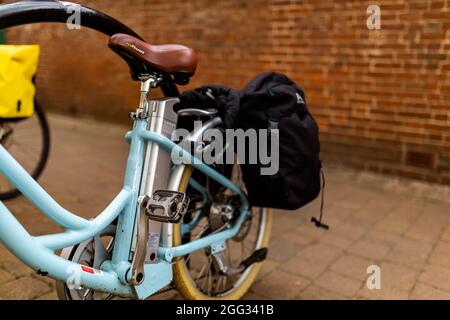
x=5 y=276
x=310 y=230
x=5 y=255
x=280 y=228
x=410 y=252
x=280 y=285
x=339 y=193
x=441 y=254
x=267 y=267
x=382 y=236
x=288 y=221
x=24 y=288
x=369 y=249
x=49 y=281
x=305 y=267
x=297 y=238
x=254 y=296
x=314 y=292
x=320 y=253
x=446 y=234
x=393 y=223
x=409 y=209
x=398 y=276
x=340 y=209
x=437 y=211
x=169 y=295
x=437 y=277
x=336 y=240
x=348 y=230
x=371 y=213
x=360 y=197
x=425 y=292
x=426 y=229
x=352 y=267
x=338 y=284
x=379 y=207
x=16 y=268
x=280 y=250
x=382 y=294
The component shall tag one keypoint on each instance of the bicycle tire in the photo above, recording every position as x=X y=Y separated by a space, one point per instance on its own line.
x=45 y=151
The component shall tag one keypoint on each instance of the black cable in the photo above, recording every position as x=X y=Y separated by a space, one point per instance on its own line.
x=318 y=223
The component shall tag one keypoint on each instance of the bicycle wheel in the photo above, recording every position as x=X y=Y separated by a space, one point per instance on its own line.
x=28 y=141
x=198 y=275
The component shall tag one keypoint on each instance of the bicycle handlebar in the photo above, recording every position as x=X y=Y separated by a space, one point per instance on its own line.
x=27 y=12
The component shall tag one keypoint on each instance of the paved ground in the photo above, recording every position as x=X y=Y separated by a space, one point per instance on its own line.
x=401 y=226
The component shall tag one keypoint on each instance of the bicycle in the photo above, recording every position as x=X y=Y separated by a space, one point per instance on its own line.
x=29 y=141
x=169 y=225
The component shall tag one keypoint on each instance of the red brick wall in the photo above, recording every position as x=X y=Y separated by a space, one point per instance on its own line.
x=381 y=97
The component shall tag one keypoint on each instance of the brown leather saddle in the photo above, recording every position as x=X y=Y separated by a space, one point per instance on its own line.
x=172 y=61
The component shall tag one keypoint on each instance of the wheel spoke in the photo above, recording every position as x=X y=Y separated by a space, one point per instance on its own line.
x=87 y=293
x=210 y=277
x=201 y=272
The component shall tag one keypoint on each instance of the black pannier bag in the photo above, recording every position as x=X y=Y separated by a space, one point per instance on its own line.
x=273 y=101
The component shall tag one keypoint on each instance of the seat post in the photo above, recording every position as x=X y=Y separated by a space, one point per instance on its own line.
x=145 y=90
x=147 y=83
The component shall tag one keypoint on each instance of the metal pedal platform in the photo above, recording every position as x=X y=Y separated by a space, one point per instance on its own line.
x=165 y=206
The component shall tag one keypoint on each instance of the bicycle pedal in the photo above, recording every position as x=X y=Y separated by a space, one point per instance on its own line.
x=165 y=206
x=257 y=256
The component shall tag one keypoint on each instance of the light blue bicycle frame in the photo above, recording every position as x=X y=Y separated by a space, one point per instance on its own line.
x=113 y=276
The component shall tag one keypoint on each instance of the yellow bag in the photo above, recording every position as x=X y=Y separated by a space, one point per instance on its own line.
x=18 y=65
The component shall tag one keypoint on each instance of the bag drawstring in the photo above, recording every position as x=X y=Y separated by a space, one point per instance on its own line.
x=318 y=223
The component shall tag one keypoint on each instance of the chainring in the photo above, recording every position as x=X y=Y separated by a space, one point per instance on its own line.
x=91 y=253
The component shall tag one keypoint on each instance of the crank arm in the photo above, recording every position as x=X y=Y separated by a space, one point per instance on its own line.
x=137 y=265
x=146 y=246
